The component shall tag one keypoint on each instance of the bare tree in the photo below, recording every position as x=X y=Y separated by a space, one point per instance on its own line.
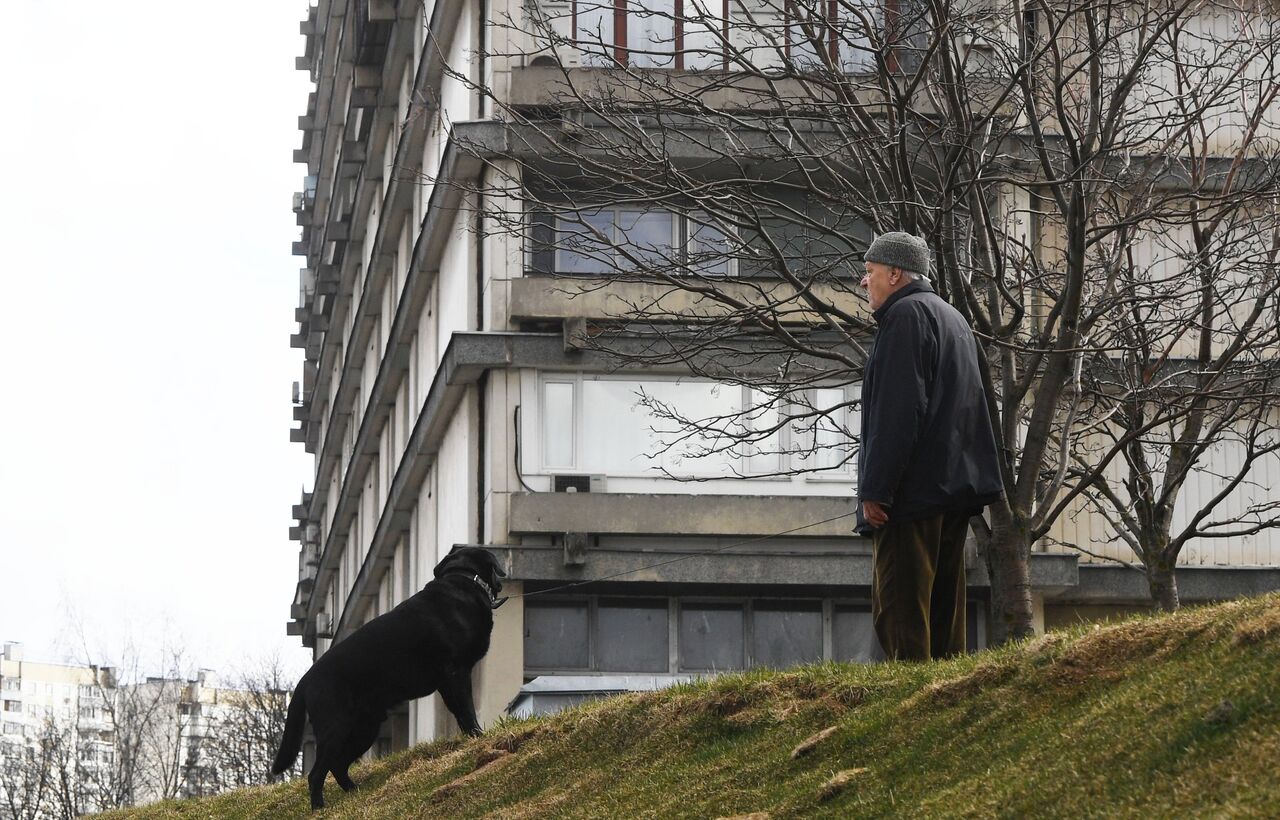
x=250 y=722
x=31 y=774
x=1186 y=388
x=714 y=212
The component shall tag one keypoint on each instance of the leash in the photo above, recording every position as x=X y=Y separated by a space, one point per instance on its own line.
x=755 y=540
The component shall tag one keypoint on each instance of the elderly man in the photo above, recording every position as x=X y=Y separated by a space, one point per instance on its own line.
x=928 y=459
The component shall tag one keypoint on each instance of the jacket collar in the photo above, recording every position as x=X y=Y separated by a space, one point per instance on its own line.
x=915 y=287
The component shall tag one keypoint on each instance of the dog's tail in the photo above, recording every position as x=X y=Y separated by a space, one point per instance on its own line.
x=291 y=742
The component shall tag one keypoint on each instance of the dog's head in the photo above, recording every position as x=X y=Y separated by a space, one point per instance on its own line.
x=474 y=561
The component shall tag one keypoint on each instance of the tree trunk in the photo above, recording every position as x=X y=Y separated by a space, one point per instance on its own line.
x=1008 y=556
x=1164 y=585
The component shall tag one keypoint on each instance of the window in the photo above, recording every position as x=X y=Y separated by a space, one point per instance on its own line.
x=853 y=636
x=786 y=633
x=614 y=239
x=832 y=31
x=555 y=635
x=609 y=240
x=680 y=34
x=11 y=684
x=626 y=427
x=644 y=625
x=13 y=706
x=711 y=637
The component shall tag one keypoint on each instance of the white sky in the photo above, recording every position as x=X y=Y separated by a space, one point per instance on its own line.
x=146 y=301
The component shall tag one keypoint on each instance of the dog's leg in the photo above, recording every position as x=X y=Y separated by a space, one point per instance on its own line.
x=319 y=771
x=359 y=738
x=456 y=691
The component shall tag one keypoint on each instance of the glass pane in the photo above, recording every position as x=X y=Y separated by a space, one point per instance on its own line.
x=833 y=439
x=633 y=636
x=595 y=31
x=651 y=34
x=703 y=34
x=786 y=635
x=709 y=249
x=555 y=635
x=711 y=637
x=808 y=33
x=763 y=456
x=853 y=636
x=617 y=427
x=853 y=42
x=557 y=424
x=647 y=236
x=584 y=242
x=713 y=406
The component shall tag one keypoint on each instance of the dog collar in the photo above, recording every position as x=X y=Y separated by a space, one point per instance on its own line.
x=494 y=603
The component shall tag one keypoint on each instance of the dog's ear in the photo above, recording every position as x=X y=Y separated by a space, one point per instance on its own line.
x=444 y=562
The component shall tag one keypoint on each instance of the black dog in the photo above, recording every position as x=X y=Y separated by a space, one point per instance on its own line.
x=428 y=643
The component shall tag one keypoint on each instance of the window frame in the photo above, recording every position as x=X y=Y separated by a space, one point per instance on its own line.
x=825 y=606
x=621 y=51
x=742 y=469
x=889 y=10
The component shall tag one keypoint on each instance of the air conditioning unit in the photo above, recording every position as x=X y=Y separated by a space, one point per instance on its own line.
x=578 y=483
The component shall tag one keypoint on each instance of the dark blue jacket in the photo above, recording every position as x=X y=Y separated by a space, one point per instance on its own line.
x=927 y=446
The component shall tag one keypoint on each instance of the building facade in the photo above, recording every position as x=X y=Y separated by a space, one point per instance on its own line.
x=76 y=739
x=446 y=402
x=61 y=705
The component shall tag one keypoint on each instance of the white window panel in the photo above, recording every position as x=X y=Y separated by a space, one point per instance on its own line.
x=651 y=33
x=832 y=436
x=703 y=34
x=595 y=31
x=764 y=413
x=558 y=414
x=616 y=431
x=852 y=32
x=623 y=428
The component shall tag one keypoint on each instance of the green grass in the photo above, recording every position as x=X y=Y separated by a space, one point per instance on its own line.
x=1157 y=716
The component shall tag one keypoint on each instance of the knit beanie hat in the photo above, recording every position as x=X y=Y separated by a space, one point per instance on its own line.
x=900 y=250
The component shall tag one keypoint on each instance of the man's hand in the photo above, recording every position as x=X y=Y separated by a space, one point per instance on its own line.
x=877 y=514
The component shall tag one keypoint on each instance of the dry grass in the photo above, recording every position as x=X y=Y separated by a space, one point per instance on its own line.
x=1163 y=716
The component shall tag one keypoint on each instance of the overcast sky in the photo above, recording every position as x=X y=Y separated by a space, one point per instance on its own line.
x=146 y=474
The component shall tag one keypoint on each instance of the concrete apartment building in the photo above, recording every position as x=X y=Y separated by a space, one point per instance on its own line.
x=34 y=694
x=445 y=405
x=173 y=720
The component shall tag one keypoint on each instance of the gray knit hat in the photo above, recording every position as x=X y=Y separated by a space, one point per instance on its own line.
x=900 y=250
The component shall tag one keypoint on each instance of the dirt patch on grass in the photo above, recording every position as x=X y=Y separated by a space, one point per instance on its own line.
x=454 y=786
x=812 y=742
x=1109 y=653
x=838 y=783
x=953 y=690
x=1261 y=627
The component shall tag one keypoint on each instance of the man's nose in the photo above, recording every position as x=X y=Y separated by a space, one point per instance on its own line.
x=865 y=279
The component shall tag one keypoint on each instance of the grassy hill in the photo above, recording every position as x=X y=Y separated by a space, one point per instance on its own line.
x=1158 y=716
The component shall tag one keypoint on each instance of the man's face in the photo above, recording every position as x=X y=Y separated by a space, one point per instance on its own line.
x=880 y=281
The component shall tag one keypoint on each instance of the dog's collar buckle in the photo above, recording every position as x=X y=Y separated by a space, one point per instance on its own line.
x=494 y=603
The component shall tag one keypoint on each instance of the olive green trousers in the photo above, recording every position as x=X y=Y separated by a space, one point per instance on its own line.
x=918 y=593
